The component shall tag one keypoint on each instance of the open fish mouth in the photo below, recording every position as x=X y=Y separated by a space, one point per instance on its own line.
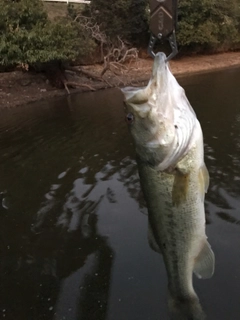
x=160 y=62
x=158 y=84
x=161 y=75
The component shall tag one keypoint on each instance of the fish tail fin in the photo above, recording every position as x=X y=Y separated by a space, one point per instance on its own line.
x=185 y=308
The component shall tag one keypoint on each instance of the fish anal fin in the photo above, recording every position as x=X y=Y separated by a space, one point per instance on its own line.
x=180 y=188
x=185 y=308
x=205 y=262
x=203 y=178
x=152 y=241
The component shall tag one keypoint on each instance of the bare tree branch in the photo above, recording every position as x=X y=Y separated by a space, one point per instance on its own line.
x=77 y=84
x=116 y=56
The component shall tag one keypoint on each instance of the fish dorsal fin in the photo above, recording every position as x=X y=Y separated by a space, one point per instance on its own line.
x=203 y=177
x=205 y=262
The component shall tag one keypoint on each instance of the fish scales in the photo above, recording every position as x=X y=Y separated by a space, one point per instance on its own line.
x=174 y=179
x=174 y=226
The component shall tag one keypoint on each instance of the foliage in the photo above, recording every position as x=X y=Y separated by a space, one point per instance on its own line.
x=203 y=24
x=126 y=19
x=29 y=38
x=209 y=23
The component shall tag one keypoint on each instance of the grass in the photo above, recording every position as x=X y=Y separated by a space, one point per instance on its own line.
x=59 y=9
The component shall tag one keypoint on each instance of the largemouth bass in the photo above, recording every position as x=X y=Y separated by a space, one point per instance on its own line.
x=174 y=179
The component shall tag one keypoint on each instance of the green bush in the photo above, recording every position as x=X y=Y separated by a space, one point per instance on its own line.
x=27 y=37
x=209 y=24
x=203 y=25
x=127 y=19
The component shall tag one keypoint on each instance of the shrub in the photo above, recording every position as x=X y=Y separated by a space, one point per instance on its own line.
x=127 y=19
x=29 y=38
x=209 y=23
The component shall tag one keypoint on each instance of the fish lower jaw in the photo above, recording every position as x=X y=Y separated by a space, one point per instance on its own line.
x=156 y=143
x=160 y=141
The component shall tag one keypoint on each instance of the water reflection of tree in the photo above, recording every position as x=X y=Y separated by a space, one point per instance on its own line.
x=33 y=267
x=219 y=119
x=38 y=255
x=30 y=287
x=95 y=288
x=129 y=177
x=224 y=168
x=50 y=228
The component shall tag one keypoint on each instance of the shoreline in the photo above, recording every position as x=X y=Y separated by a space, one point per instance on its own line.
x=20 y=88
x=208 y=63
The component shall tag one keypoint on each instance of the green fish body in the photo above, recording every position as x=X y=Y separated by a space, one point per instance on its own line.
x=174 y=179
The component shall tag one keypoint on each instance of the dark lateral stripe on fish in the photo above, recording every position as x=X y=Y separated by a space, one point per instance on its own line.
x=180 y=188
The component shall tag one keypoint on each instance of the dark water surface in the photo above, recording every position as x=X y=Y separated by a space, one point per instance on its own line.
x=73 y=224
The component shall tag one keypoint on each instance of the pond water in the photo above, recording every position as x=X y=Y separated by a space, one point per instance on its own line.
x=73 y=223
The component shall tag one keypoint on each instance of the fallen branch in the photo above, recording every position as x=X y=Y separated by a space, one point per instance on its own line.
x=76 y=84
x=89 y=74
x=66 y=87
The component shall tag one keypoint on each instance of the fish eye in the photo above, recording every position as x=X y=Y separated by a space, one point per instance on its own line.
x=129 y=118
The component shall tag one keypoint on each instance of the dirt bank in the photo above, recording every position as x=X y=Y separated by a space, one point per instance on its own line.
x=18 y=88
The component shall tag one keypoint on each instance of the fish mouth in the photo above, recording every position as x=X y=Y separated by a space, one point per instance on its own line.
x=156 y=85
x=136 y=96
x=160 y=71
x=160 y=62
x=129 y=92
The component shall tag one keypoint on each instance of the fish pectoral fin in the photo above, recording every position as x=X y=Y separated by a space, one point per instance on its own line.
x=152 y=241
x=205 y=262
x=203 y=177
x=180 y=188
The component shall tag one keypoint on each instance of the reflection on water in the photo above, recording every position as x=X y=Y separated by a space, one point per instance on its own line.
x=221 y=127
x=73 y=225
